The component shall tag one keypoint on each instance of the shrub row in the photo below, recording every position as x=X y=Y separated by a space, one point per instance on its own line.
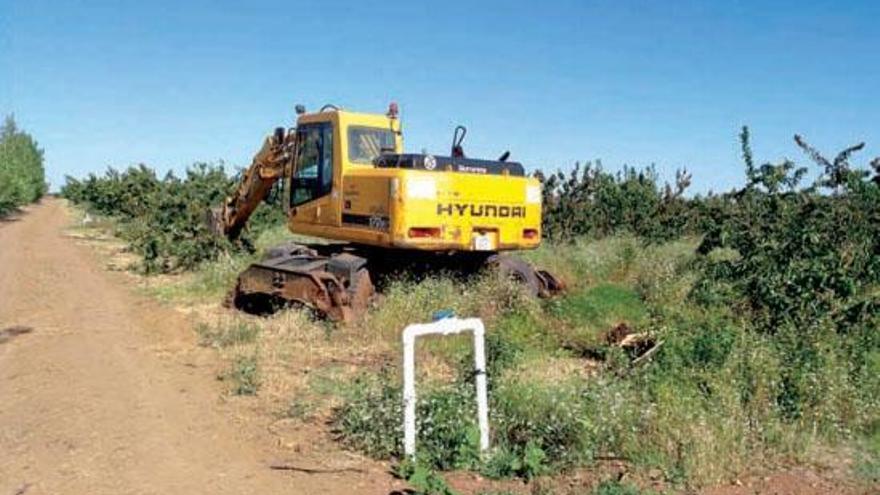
x=589 y=201
x=806 y=268
x=163 y=219
x=22 y=178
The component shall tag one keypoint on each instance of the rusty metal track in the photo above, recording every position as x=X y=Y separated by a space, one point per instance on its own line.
x=337 y=285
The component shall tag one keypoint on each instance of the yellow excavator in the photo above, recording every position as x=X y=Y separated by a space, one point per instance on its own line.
x=344 y=177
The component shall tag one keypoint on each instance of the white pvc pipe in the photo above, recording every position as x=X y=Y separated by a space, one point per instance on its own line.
x=447 y=326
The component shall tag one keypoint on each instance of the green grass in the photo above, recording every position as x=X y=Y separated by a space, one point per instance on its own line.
x=585 y=263
x=243 y=375
x=212 y=281
x=423 y=480
x=328 y=381
x=618 y=488
x=406 y=301
x=868 y=456
x=325 y=386
x=527 y=331
x=591 y=313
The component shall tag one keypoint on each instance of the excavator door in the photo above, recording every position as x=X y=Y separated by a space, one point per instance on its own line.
x=313 y=177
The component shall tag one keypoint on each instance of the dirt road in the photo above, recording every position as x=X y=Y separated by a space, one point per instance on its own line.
x=102 y=391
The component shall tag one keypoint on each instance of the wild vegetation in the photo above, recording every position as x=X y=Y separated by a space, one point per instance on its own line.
x=758 y=309
x=591 y=202
x=22 y=178
x=163 y=219
x=767 y=319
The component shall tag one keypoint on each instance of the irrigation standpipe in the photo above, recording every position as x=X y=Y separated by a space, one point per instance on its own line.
x=446 y=326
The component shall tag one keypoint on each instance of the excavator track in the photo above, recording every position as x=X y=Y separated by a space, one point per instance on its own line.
x=337 y=284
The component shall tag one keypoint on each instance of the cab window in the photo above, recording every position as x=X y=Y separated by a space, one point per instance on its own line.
x=367 y=143
x=313 y=177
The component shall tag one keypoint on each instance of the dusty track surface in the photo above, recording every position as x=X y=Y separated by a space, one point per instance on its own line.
x=103 y=391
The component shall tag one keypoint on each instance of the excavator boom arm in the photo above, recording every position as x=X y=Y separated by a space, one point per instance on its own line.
x=266 y=168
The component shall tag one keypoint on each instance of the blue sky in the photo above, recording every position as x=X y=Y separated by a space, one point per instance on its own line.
x=669 y=83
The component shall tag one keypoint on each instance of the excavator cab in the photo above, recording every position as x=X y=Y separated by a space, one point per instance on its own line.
x=331 y=146
x=314 y=160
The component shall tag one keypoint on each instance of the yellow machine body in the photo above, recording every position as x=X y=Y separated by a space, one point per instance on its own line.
x=346 y=178
x=335 y=191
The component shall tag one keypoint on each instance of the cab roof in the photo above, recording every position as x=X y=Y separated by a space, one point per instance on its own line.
x=346 y=117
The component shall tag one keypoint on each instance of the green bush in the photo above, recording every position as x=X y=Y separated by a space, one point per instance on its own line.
x=371 y=418
x=592 y=202
x=424 y=480
x=806 y=271
x=535 y=429
x=447 y=429
x=163 y=220
x=502 y=351
x=22 y=178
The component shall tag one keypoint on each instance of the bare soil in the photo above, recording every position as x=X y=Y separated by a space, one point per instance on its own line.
x=105 y=392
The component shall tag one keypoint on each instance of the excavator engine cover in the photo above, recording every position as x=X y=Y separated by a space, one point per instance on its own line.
x=449 y=164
